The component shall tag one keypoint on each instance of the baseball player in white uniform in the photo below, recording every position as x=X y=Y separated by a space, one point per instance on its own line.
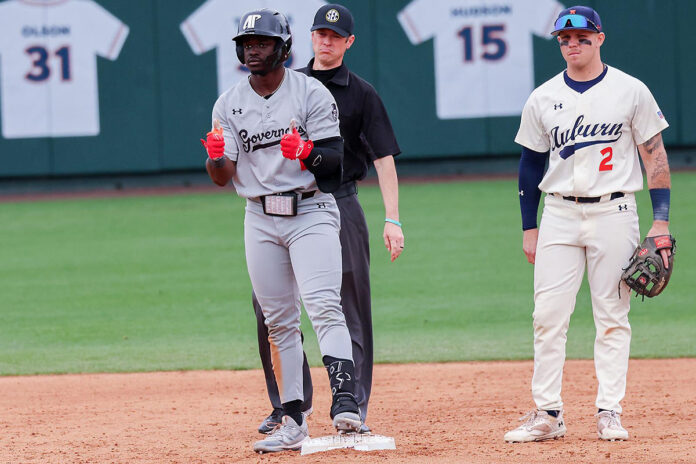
x=276 y=137
x=590 y=122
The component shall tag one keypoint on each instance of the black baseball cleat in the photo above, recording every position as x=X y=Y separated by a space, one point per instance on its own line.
x=345 y=413
x=270 y=423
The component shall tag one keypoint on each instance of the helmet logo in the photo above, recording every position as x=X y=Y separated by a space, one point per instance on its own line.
x=250 y=21
x=572 y=11
x=332 y=15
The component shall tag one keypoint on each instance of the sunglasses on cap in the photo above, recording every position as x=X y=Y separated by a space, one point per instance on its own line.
x=574 y=21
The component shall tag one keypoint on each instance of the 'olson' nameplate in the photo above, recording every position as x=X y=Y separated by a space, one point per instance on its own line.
x=280 y=204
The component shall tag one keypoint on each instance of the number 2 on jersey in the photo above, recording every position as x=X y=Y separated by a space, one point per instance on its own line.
x=494 y=46
x=605 y=164
x=40 y=70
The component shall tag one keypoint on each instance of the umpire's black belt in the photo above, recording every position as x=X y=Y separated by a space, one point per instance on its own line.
x=345 y=190
x=613 y=196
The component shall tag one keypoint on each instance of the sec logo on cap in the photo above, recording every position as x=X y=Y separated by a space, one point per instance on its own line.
x=332 y=15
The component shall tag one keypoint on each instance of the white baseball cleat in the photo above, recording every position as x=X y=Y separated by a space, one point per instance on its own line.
x=288 y=436
x=538 y=426
x=609 y=426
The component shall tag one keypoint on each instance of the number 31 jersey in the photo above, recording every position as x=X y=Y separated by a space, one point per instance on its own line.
x=49 y=67
x=484 y=63
x=592 y=136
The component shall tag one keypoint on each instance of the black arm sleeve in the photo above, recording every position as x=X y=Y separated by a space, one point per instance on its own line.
x=325 y=161
x=532 y=165
x=326 y=157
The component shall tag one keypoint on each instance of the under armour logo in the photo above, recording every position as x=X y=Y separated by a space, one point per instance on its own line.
x=558 y=106
x=236 y=111
x=321 y=205
x=623 y=207
x=521 y=193
x=250 y=21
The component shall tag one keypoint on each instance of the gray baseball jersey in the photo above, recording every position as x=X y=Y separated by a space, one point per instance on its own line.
x=253 y=127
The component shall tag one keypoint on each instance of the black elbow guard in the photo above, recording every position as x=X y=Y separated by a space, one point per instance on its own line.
x=325 y=161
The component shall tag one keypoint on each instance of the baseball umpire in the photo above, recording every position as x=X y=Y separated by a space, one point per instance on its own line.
x=276 y=137
x=369 y=138
x=590 y=122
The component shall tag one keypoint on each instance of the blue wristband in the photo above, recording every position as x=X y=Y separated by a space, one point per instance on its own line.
x=660 y=203
x=393 y=221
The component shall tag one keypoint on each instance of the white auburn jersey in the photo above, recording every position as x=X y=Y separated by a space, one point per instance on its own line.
x=484 y=61
x=592 y=137
x=215 y=22
x=49 y=67
x=253 y=126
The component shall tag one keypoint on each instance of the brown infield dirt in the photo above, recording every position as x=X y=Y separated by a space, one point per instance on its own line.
x=455 y=412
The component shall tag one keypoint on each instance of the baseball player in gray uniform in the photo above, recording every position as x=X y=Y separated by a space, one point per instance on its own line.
x=276 y=137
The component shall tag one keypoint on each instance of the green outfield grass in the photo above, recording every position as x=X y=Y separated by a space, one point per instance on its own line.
x=160 y=283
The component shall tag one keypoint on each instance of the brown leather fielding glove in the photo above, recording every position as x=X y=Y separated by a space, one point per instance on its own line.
x=646 y=272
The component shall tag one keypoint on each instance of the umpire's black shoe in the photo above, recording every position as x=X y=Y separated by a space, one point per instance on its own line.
x=345 y=413
x=270 y=423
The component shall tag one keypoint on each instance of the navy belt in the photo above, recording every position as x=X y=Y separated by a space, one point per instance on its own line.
x=345 y=190
x=613 y=196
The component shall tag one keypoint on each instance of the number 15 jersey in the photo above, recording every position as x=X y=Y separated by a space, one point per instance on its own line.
x=49 y=67
x=592 y=136
x=484 y=63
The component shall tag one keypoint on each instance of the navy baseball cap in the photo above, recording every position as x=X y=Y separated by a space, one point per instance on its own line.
x=577 y=18
x=335 y=17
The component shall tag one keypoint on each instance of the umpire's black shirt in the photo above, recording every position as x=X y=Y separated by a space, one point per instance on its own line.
x=364 y=124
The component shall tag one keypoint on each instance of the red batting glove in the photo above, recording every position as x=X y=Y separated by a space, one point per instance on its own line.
x=214 y=143
x=293 y=147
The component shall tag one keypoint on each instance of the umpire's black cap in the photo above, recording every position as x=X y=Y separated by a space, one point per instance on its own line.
x=335 y=17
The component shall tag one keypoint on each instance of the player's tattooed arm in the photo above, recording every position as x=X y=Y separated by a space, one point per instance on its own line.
x=657 y=169
x=654 y=158
x=221 y=170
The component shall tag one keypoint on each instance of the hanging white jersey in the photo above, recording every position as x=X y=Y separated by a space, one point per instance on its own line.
x=484 y=63
x=49 y=67
x=253 y=126
x=215 y=22
x=593 y=136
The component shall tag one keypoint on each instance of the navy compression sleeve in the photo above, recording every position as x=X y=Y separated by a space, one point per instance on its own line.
x=532 y=165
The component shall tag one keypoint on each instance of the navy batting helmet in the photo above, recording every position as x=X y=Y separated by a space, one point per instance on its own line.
x=268 y=23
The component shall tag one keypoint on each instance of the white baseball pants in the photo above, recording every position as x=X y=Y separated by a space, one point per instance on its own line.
x=601 y=236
